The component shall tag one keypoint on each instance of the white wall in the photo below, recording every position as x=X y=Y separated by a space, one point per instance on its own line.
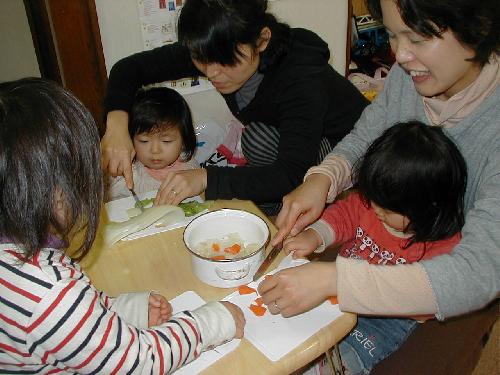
x=327 y=18
x=18 y=53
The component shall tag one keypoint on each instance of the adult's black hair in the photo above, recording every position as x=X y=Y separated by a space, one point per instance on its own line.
x=162 y=108
x=475 y=23
x=213 y=30
x=415 y=170
x=49 y=144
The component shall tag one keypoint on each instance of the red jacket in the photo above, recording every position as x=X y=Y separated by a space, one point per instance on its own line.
x=364 y=236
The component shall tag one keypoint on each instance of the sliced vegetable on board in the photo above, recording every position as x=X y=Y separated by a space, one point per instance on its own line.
x=158 y=215
x=333 y=300
x=259 y=301
x=190 y=208
x=245 y=289
x=194 y=207
x=258 y=310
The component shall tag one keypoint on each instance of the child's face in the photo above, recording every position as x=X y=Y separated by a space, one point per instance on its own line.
x=391 y=219
x=157 y=150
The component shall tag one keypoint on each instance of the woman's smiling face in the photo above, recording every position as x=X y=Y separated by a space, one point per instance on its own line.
x=438 y=66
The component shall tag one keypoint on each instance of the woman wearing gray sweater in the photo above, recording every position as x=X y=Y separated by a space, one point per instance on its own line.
x=447 y=74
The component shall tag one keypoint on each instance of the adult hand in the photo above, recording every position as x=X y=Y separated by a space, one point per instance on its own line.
x=295 y=290
x=239 y=318
x=180 y=185
x=302 y=206
x=302 y=244
x=117 y=149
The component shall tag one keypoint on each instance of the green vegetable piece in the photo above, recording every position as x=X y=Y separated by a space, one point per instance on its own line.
x=145 y=202
x=194 y=207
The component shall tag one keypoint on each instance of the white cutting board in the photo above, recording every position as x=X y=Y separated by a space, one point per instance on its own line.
x=117 y=211
x=274 y=335
x=190 y=301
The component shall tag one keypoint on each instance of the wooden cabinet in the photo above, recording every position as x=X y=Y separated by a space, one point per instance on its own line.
x=359 y=7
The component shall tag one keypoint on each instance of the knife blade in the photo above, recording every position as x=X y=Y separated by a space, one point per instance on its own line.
x=267 y=262
x=138 y=202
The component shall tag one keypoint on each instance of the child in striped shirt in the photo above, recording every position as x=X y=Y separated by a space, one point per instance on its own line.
x=52 y=319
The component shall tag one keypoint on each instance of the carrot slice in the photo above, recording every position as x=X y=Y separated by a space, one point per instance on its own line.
x=234 y=249
x=258 y=310
x=218 y=257
x=333 y=300
x=216 y=246
x=245 y=289
x=259 y=301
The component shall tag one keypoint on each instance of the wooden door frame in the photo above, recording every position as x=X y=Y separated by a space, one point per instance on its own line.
x=349 y=37
x=68 y=47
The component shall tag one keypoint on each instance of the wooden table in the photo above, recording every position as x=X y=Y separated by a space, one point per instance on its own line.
x=162 y=263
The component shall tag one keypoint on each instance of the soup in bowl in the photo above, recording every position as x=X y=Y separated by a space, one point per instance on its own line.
x=227 y=246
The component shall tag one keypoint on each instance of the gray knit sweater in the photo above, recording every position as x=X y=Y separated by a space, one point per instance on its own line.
x=469 y=277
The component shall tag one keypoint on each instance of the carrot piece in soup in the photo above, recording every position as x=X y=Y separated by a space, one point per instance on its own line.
x=215 y=246
x=234 y=249
x=258 y=310
x=245 y=289
x=259 y=301
x=333 y=300
x=218 y=257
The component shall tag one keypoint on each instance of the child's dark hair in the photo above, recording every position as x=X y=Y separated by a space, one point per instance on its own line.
x=475 y=23
x=49 y=145
x=415 y=170
x=162 y=108
x=214 y=29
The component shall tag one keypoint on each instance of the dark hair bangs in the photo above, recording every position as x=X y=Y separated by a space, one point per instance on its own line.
x=217 y=48
x=214 y=30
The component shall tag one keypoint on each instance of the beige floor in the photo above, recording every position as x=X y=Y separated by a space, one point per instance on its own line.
x=489 y=363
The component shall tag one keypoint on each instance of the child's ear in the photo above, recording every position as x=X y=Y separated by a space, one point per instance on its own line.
x=59 y=206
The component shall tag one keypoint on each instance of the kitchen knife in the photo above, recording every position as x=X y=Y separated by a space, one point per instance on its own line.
x=138 y=202
x=267 y=262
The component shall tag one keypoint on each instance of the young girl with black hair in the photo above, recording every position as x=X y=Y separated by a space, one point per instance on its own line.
x=164 y=140
x=52 y=319
x=275 y=79
x=408 y=206
x=447 y=73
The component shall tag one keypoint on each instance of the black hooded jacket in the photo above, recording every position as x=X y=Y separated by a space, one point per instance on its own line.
x=301 y=95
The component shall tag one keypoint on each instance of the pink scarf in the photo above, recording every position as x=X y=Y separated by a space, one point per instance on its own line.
x=450 y=112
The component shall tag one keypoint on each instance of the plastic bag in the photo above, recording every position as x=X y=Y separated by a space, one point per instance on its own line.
x=369 y=86
x=209 y=135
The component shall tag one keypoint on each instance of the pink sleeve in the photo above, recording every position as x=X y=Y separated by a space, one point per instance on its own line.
x=338 y=170
x=402 y=290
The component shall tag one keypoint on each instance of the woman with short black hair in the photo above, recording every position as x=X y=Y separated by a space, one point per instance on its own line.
x=275 y=79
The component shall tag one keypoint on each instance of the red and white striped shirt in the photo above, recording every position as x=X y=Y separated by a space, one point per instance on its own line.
x=53 y=321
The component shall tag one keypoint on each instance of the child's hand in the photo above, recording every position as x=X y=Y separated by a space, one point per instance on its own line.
x=160 y=310
x=302 y=244
x=239 y=318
